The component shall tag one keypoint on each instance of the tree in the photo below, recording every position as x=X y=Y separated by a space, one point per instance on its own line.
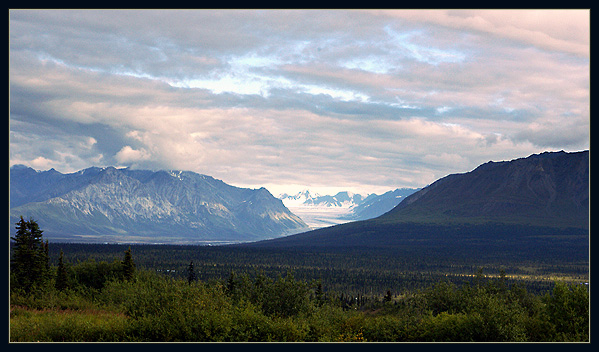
x=62 y=280
x=318 y=293
x=128 y=265
x=29 y=263
x=568 y=310
x=191 y=274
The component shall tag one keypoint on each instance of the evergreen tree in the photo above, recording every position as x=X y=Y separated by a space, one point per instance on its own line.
x=319 y=293
x=231 y=284
x=62 y=281
x=191 y=274
x=128 y=265
x=29 y=263
x=388 y=297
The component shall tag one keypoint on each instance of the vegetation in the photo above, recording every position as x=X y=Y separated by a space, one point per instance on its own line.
x=109 y=293
x=154 y=307
x=29 y=262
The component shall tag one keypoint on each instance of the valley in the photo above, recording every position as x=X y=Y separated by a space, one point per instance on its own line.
x=208 y=175
x=319 y=217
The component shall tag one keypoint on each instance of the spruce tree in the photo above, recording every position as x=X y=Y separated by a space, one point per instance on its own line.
x=29 y=265
x=191 y=274
x=62 y=280
x=128 y=266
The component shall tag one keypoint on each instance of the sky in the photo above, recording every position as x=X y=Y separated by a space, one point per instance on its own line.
x=365 y=101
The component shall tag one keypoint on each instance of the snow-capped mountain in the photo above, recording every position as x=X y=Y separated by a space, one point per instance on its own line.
x=374 y=205
x=321 y=211
x=124 y=205
x=302 y=198
x=306 y=199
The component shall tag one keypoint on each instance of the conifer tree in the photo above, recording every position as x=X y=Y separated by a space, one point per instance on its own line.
x=29 y=265
x=191 y=274
x=128 y=265
x=62 y=281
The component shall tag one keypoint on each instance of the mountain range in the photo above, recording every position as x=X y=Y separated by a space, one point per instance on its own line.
x=544 y=197
x=125 y=205
x=307 y=199
x=537 y=203
x=356 y=206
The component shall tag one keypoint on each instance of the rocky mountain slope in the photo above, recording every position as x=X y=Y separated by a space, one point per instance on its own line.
x=124 y=205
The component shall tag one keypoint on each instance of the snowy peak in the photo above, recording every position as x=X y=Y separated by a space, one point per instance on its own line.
x=307 y=199
x=298 y=199
x=322 y=211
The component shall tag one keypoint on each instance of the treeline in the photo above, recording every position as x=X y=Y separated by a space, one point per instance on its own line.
x=365 y=272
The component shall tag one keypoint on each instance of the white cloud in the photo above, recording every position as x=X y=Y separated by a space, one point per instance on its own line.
x=128 y=155
x=362 y=99
x=562 y=30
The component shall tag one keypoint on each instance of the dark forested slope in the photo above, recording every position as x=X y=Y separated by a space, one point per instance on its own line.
x=548 y=189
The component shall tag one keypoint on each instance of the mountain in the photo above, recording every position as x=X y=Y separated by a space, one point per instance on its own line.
x=124 y=205
x=374 y=205
x=538 y=203
x=306 y=199
x=548 y=189
x=321 y=211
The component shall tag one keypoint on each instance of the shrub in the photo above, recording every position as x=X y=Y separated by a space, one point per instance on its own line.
x=67 y=326
x=568 y=312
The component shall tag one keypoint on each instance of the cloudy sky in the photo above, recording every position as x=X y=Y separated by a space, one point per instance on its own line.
x=366 y=101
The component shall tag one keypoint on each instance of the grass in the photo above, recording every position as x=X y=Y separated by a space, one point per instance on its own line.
x=66 y=325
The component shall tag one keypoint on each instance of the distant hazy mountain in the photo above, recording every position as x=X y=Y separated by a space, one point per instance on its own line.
x=374 y=206
x=307 y=199
x=358 y=206
x=538 y=203
x=124 y=205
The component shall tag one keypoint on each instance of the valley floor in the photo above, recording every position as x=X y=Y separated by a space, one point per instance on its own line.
x=242 y=294
x=155 y=308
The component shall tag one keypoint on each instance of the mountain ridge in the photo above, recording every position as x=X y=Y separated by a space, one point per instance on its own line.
x=548 y=189
x=109 y=204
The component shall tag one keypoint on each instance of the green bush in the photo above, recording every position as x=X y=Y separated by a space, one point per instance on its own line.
x=568 y=312
x=283 y=297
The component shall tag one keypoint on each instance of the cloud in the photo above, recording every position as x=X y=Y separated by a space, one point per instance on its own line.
x=372 y=100
x=554 y=30
x=128 y=155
